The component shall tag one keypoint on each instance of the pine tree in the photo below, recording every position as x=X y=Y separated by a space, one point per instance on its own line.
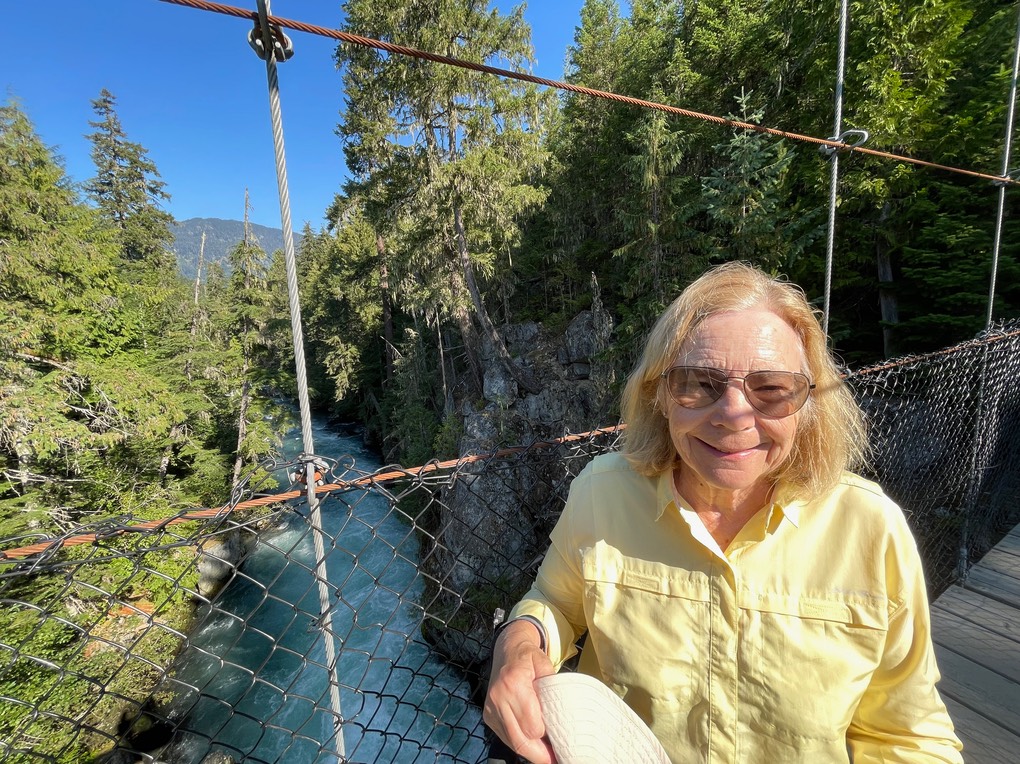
x=746 y=195
x=58 y=282
x=249 y=333
x=127 y=188
x=471 y=143
x=85 y=425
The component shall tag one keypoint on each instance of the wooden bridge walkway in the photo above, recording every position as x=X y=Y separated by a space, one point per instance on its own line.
x=976 y=629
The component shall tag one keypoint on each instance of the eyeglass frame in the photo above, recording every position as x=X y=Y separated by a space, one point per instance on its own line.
x=743 y=385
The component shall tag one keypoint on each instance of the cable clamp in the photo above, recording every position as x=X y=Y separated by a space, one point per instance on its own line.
x=321 y=469
x=1010 y=177
x=859 y=137
x=283 y=48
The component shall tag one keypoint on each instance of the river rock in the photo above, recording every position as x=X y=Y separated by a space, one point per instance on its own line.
x=218 y=558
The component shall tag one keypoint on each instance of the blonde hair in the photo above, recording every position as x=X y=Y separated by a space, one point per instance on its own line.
x=831 y=435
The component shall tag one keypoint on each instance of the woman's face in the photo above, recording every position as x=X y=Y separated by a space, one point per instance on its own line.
x=728 y=447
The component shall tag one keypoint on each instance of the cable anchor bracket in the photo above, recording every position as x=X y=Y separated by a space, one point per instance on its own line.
x=860 y=137
x=321 y=469
x=283 y=47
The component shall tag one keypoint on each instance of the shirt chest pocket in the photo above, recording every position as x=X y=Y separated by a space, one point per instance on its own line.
x=645 y=624
x=808 y=661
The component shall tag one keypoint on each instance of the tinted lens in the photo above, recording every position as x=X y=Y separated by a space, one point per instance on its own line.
x=776 y=393
x=693 y=387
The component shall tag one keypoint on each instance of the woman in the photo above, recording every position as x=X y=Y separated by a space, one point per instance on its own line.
x=747 y=596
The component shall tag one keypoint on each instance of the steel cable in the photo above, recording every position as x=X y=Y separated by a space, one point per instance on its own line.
x=368 y=42
x=830 y=246
x=270 y=44
x=1006 y=158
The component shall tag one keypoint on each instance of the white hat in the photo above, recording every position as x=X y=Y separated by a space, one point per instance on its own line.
x=588 y=722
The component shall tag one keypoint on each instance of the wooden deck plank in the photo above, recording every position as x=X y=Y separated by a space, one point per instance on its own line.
x=990 y=694
x=980 y=610
x=994 y=584
x=1010 y=543
x=985 y=647
x=1001 y=561
x=984 y=741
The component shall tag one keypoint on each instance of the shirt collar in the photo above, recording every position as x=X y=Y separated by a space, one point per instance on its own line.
x=783 y=500
x=665 y=492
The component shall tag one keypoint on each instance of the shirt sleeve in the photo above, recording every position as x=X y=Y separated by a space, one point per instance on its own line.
x=556 y=598
x=901 y=717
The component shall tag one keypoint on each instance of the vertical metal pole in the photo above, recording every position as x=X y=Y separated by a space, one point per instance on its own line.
x=325 y=608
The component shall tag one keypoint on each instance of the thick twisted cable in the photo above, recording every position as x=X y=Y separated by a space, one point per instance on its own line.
x=1006 y=159
x=368 y=42
x=325 y=607
x=830 y=246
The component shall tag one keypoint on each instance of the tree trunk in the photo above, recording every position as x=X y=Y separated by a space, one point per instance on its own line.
x=242 y=424
x=887 y=301
x=194 y=315
x=469 y=340
x=447 y=389
x=524 y=380
x=198 y=276
x=387 y=310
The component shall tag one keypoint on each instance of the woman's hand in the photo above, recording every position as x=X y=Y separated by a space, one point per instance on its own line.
x=512 y=709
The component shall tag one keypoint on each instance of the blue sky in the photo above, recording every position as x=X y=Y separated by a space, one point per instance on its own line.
x=191 y=91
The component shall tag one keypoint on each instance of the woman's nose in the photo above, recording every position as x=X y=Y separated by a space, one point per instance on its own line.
x=733 y=410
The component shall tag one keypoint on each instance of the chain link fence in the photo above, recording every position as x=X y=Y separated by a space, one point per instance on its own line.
x=201 y=638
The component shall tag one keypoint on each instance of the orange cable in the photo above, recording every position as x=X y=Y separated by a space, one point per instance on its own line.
x=369 y=42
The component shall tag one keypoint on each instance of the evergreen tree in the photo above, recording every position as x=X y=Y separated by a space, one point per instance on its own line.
x=472 y=144
x=127 y=188
x=751 y=215
x=248 y=332
x=86 y=423
x=58 y=283
x=344 y=323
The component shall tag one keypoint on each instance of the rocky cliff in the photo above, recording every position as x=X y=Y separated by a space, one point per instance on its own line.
x=492 y=522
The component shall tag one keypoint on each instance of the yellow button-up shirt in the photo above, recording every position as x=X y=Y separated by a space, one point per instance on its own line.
x=806 y=640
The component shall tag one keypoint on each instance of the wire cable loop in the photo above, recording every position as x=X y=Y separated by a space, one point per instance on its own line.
x=283 y=46
x=321 y=468
x=860 y=138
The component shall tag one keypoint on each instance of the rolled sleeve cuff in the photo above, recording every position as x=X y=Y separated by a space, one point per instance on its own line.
x=559 y=634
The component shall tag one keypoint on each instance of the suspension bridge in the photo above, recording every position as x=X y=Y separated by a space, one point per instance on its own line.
x=356 y=620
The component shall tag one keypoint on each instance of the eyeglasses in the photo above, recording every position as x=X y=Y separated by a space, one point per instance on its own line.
x=775 y=394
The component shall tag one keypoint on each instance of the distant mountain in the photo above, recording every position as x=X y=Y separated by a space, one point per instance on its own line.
x=221 y=236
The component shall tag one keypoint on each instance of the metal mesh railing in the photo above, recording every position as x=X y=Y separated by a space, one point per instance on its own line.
x=200 y=640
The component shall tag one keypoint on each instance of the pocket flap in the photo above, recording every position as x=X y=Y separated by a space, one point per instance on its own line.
x=853 y=613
